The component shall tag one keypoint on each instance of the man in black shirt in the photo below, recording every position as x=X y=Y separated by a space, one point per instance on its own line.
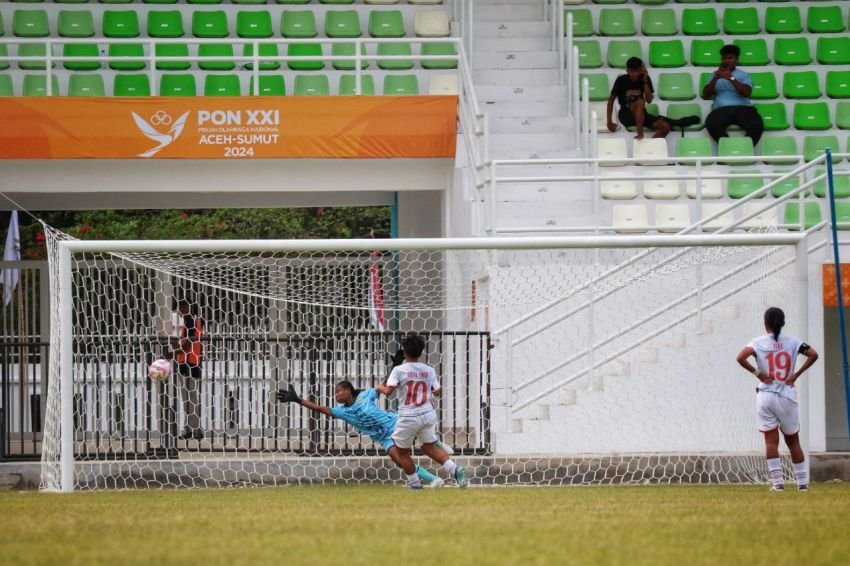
x=634 y=91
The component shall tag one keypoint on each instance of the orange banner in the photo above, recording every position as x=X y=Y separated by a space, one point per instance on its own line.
x=830 y=289
x=214 y=128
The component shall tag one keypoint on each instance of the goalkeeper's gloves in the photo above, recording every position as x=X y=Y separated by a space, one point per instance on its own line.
x=288 y=395
x=397 y=359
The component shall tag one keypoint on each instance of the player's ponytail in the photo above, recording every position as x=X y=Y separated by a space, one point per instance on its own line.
x=774 y=320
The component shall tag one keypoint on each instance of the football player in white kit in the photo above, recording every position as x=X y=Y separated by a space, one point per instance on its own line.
x=776 y=399
x=416 y=382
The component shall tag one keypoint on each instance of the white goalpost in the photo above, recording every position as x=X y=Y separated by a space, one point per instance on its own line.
x=580 y=360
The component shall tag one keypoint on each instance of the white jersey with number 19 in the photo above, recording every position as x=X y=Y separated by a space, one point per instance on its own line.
x=777 y=359
x=415 y=382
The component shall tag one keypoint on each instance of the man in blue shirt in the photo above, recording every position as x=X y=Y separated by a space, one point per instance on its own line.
x=731 y=89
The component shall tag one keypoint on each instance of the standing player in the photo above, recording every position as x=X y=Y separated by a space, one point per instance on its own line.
x=776 y=399
x=416 y=383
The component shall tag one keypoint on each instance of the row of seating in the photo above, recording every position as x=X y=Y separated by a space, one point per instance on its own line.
x=616 y=22
x=378 y=2
x=217 y=24
x=659 y=2
x=706 y=52
x=92 y=84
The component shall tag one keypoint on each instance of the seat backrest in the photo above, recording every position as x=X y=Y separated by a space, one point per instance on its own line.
x=210 y=24
x=120 y=23
x=76 y=23
x=165 y=23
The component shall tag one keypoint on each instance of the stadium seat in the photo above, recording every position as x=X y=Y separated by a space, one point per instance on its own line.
x=676 y=86
x=629 y=218
x=401 y=85
x=677 y=111
x=709 y=188
x=710 y=209
x=784 y=187
x=81 y=50
x=783 y=19
x=253 y=25
x=377 y=2
x=342 y=23
x=833 y=50
x=348 y=85
x=132 y=53
x=699 y=21
x=268 y=85
x=30 y=23
x=661 y=21
x=120 y=23
x=204 y=1
x=617 y=189
x=32 y=50
x=840 y=185
x=177 y=85
x=346 y=2
x=764 y=86
x=348 y=50
x=210 y=24
x=599 y=86
x=589 y=54
x=735 y=147
x=620 y=51
x=395 y=50
x=209 y=50
x=774 y=115
x=442 y=85
x=660 y=189
x=582 y=22
x=165 y=23
x=741 y=21
x=298 y=24
x=842 y=115
x=424 y=2
x=812 y=116
x=436 y=49
x=265 y=50
x=386 y=23
x=842 y=215
x=88 y=84
x=706 y=52
x=763 y=219
x=740 y=187
x=222 y=85
x=6 y=87
x=131 y=85
x=617 y=22
x=432 y=23
x=672 y=217
x=791 y=51
x=311 y=85
x=814 y=146
x=650 y=151
x=667 y=54
x=803 y=84
x=779 y=146
x=249 y=2
x=693 y=147
x=611 y=148
x=76 y=23
x=811 y=215
x=753 y=52
x=36 y=85
x=825 y=19
x=305 y=50
x=648 y=2
x=298 y=1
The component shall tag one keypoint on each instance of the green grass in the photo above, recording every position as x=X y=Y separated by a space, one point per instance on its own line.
x=383 y=525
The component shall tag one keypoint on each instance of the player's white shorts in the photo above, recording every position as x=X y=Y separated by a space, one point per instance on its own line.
x=776 y=411
x=408 y=429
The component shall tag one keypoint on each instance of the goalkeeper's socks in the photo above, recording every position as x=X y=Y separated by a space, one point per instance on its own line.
x=774 y=470
x=424 y=474
x=413 y=481
x=450 y=467
x=801 y=472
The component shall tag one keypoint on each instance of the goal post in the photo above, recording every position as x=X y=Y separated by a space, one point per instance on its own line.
x=541 y=342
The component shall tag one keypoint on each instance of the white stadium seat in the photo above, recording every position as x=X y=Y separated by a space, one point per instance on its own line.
x=766 y=219
x=611 y=148
x=630 y=218
x=431 y=23
x=661 y=188
x=711 y=188
x=672 y=217
x=651 y=151
x=720 y=222
x=442 y=84
x=623 y=189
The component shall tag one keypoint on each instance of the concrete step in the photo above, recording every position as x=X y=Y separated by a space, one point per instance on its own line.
x=505 y=59
x=527 y=154
x=523 y=109
x=543 y=214
x=532 y=125
x=512 y=28
x=542 y=192
x=488 y=44
x=555 y=141
x=509 y=12
x=517 y=77
x=521 y=93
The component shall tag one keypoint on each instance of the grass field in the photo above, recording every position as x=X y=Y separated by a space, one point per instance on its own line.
x=389 y=525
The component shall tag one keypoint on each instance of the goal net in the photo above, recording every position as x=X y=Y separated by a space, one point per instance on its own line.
x=563 y=361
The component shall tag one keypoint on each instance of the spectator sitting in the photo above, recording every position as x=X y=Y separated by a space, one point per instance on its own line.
x=634 y=91
x=731 y=89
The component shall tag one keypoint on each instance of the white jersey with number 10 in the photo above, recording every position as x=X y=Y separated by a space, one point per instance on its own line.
x=777 y=359
x=415 y=382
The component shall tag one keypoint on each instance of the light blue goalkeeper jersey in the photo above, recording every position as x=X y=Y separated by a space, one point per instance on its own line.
x=366 y=416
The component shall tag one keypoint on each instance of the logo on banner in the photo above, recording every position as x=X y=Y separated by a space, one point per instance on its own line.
x=151 y=130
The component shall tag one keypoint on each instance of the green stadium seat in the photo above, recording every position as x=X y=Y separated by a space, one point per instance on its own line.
x=833 y=50
x=784 y=187
x=791 y=51
x=812 y=116
x=177 y=85
x=204 y=1
x=667 y=54
x=617 y=22
x=582 y=22
x=764 y=86
x=386 y=23
x=81 y=50
x=269 y=85
x=812 y=215
x=620 y=51
x=266 y=50
x=677 y=111
x=131 y=53
x=298 y=24
x=840 y=185
x=676 y=86
x=842 y=214
x=6 y=88
x=610 y=1
x=165 y=23
x=305 y=50
x=210 y=24
x=348 y=50
x=448 y=49
x=312 y=85
x=706 y=52
x=152 y=1
x=88 y=84
x=222 y=85
x=4 y=53
x=599 y=86
x=803 y=84
x=842 y=115
x=348 y=85
x=401 y=85
x=342 y=23
x=589 y=54
x=735 y=147
x=295 y=1
x=825 y=19
x=783 y=19
x=120 y=23
x=172 y=50
x=36 y=85
x=779 y=146
x=699 y=21
x=814 y=146
x=741 y=21
x=131 y=85
x=208 y=50
x=350 y=2
x=753 y=52
x=740 y=187
x=774 y=115
x=660 y=21
x=76 y=23
x=651 y=2
x=699 y=146
x=32 y=50
x=253 y=25
x=395 y=50
x=249 y=2
x=30 y=23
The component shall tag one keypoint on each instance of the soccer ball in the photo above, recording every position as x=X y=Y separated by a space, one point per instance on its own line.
x=159 y=370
